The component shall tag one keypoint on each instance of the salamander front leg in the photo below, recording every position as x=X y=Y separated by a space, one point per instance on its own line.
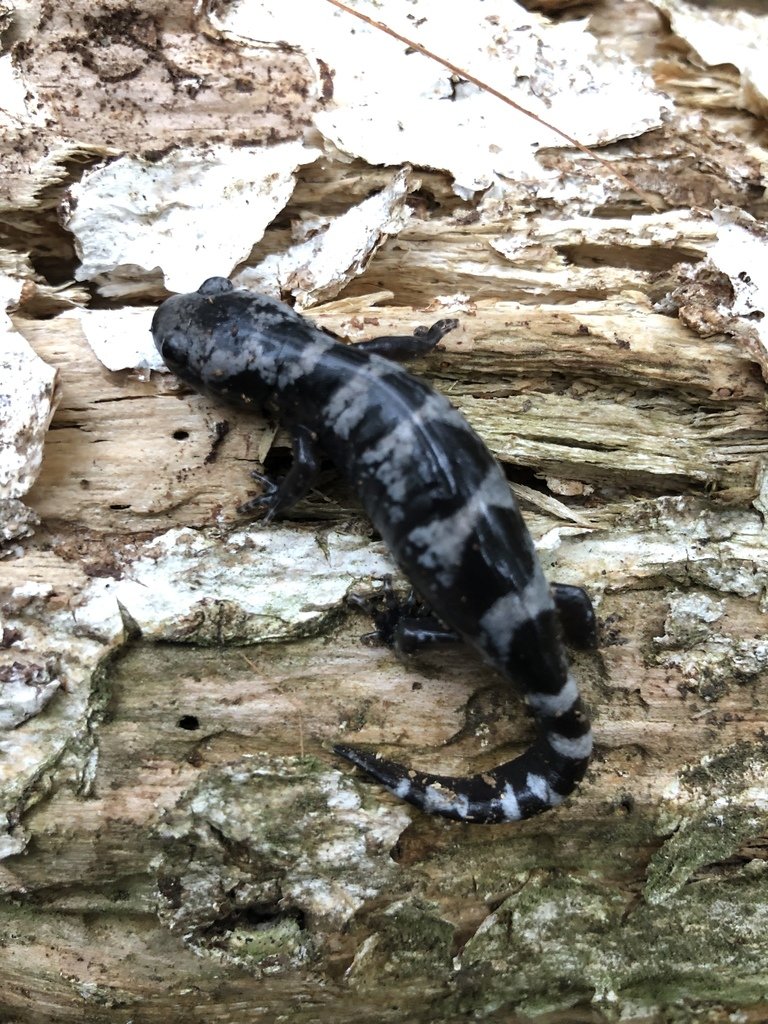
x=409 y=346
x=277 y=497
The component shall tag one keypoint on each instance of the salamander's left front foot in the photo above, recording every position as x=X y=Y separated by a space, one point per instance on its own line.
x=295 y=485
x=267 y=500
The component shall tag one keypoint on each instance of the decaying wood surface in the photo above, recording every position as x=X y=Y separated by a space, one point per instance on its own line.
x=186 y=846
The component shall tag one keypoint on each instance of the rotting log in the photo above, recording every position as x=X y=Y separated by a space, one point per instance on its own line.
x=186 y=847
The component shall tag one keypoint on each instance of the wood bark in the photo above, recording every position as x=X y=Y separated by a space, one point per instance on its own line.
x=187 y=846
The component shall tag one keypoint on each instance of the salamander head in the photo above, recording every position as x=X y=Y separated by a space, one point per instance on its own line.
x=221 y=340
x=183 y=325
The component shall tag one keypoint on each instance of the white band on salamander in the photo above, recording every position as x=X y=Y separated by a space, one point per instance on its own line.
x=550 y=705
x=576 y=749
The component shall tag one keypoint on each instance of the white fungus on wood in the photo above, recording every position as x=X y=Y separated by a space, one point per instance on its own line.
x=28 y=399
x=193 y=214
x=557 y=71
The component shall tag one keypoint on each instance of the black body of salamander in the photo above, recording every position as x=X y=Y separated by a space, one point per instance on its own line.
x=439 y=500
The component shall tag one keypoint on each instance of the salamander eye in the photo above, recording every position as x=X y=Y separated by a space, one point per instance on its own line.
x=215 y=286
x=174 y=352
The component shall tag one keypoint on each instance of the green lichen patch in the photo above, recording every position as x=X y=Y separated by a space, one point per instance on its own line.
x=408 y=940
x=535 y=951
x=709 y=660
x=711 y=811
x=560 y=942
x=266 y=857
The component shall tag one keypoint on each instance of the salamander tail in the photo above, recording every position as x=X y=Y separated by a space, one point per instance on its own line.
x=540 y=778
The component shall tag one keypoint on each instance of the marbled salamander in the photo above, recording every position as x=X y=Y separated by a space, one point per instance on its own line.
x=439 y=500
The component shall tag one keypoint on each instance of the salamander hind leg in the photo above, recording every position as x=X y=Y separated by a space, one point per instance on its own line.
x=577 y=615
x=406 y=625
x=539 y=779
